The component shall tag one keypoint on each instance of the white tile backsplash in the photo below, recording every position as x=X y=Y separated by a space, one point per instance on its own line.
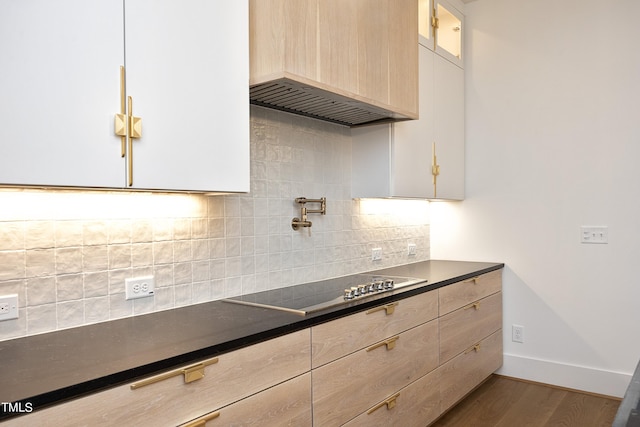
x=67 y=253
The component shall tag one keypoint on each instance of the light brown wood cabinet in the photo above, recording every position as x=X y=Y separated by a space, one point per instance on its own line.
x=350 y=385
x=359 y=50
x=286 y=404
x=438 y=360
x=340 y=337
x=470 y=368
x=162 y=400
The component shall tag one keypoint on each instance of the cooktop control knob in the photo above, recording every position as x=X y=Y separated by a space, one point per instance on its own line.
x=388 y=284
x=348 y=294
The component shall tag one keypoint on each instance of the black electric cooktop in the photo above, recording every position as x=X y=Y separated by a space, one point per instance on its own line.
x=316 y=296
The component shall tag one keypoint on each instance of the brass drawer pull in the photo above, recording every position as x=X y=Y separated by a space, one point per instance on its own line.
x=389 y=308
x=191 y=373
x=390 y=343
x=475 y=348
x=473 y=279
x=200 y=422
x=390 y=403
x=475 y=305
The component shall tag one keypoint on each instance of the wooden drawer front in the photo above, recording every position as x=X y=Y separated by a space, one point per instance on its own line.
x=466 y=326
x=332 y=340
x=459 y=294
x=350 y=385
x=464 y=372
x=416 y=405
x=287 y=404
x=170 y=401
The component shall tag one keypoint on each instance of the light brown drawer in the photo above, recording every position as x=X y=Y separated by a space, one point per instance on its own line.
x=464 y=372
x=171 y=401
x=416 y=405
x=349 y=386
x=287 y=404
x=340 y=337
x=466 y=326
x=459 y=294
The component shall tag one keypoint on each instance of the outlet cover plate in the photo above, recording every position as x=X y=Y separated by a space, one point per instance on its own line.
x=8 y=307
x=139 y=287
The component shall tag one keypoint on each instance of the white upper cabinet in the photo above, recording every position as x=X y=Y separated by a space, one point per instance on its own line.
x=441 y=28
x=61 y=91
x=449 y=26
x=421 y=158
x=187 y=71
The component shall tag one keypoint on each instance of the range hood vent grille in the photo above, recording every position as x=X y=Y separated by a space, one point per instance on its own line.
x=294 y=97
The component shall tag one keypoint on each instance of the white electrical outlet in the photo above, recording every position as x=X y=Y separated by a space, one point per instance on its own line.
x=139 y=287
x=594 y=234
x=9 y=307
x=412 y=249
x=376 y=254
x=517 y=333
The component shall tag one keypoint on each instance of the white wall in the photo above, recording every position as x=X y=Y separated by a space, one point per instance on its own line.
x=553 y=143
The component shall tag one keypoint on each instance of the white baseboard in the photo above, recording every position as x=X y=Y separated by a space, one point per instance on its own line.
x=575 y=377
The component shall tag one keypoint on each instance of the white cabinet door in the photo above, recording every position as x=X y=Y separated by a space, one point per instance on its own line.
x=396 y=160
x=59 y=91
x=449 y=129
x=187 y=71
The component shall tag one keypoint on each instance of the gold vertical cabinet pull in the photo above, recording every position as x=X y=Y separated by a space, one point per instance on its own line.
x=475 y=305
x=390 y=343
x=475 y=348
x=390 y=404
x=127 y=127
x=190 y=373
x=389 y=308
x=121 y=119
x=435 y=170
x=202 y=421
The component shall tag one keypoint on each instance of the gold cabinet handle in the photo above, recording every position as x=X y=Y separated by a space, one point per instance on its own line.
x=390 y=403
x=200 y=422
x=473 y=279
x=435 y=170
x=475 y=305
x=190 y=373
x=475 y=348
x=390 y=343
x=389 y=308
x=127 y=127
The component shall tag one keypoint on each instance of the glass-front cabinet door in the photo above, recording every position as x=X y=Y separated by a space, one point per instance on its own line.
x=448 y=23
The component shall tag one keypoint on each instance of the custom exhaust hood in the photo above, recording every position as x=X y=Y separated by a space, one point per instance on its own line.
x=344 y=62
x=308 y=100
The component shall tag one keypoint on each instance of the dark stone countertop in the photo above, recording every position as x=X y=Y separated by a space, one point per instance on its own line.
x=40 y=370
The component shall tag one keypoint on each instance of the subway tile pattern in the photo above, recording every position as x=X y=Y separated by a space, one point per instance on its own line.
x=67 y=253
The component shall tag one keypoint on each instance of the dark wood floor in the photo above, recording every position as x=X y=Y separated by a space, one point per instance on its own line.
x=506 y=402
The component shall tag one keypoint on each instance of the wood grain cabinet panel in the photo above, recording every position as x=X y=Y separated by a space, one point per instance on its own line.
x=366 y=50
x=465 y=292
x=340 y=337
x=349 y=386
x=171 y=401
x=287 y=404
x=416 y=405
x=464 y=372
x=469 y=324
